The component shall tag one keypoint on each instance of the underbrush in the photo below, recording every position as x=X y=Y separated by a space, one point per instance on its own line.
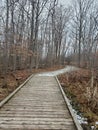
x=84 y=97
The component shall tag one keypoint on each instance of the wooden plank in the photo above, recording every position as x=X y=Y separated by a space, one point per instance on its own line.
x=10 y=119
x=31 y=112
x=30 y=115
x=36 y=127
x=30 y=109
x=36 y=101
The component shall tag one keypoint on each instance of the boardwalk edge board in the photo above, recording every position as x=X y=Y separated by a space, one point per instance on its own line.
x=76 y=122
x=14 y=92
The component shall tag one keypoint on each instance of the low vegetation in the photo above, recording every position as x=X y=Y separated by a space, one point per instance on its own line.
x=84 y=97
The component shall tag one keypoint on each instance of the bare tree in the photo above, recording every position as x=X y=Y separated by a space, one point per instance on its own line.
x=81 y=8
x=5 y=58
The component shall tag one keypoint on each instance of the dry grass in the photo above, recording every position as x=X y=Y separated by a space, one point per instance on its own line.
x=77 y=86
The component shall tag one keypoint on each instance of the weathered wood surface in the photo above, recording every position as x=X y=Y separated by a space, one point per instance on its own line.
x=38 y=105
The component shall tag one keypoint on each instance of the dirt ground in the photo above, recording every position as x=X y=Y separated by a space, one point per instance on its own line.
x=82 y=93
x=14 y=79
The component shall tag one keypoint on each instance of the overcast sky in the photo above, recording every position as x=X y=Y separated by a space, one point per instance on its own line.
x=65 y=2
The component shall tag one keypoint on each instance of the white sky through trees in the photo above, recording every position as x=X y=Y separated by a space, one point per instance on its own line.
x=65 y=2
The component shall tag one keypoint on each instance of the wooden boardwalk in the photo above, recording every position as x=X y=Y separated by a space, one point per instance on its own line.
x=39 y=105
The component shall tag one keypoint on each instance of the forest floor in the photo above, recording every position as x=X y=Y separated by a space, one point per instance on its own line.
x=82 y=92
x=14 y=79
